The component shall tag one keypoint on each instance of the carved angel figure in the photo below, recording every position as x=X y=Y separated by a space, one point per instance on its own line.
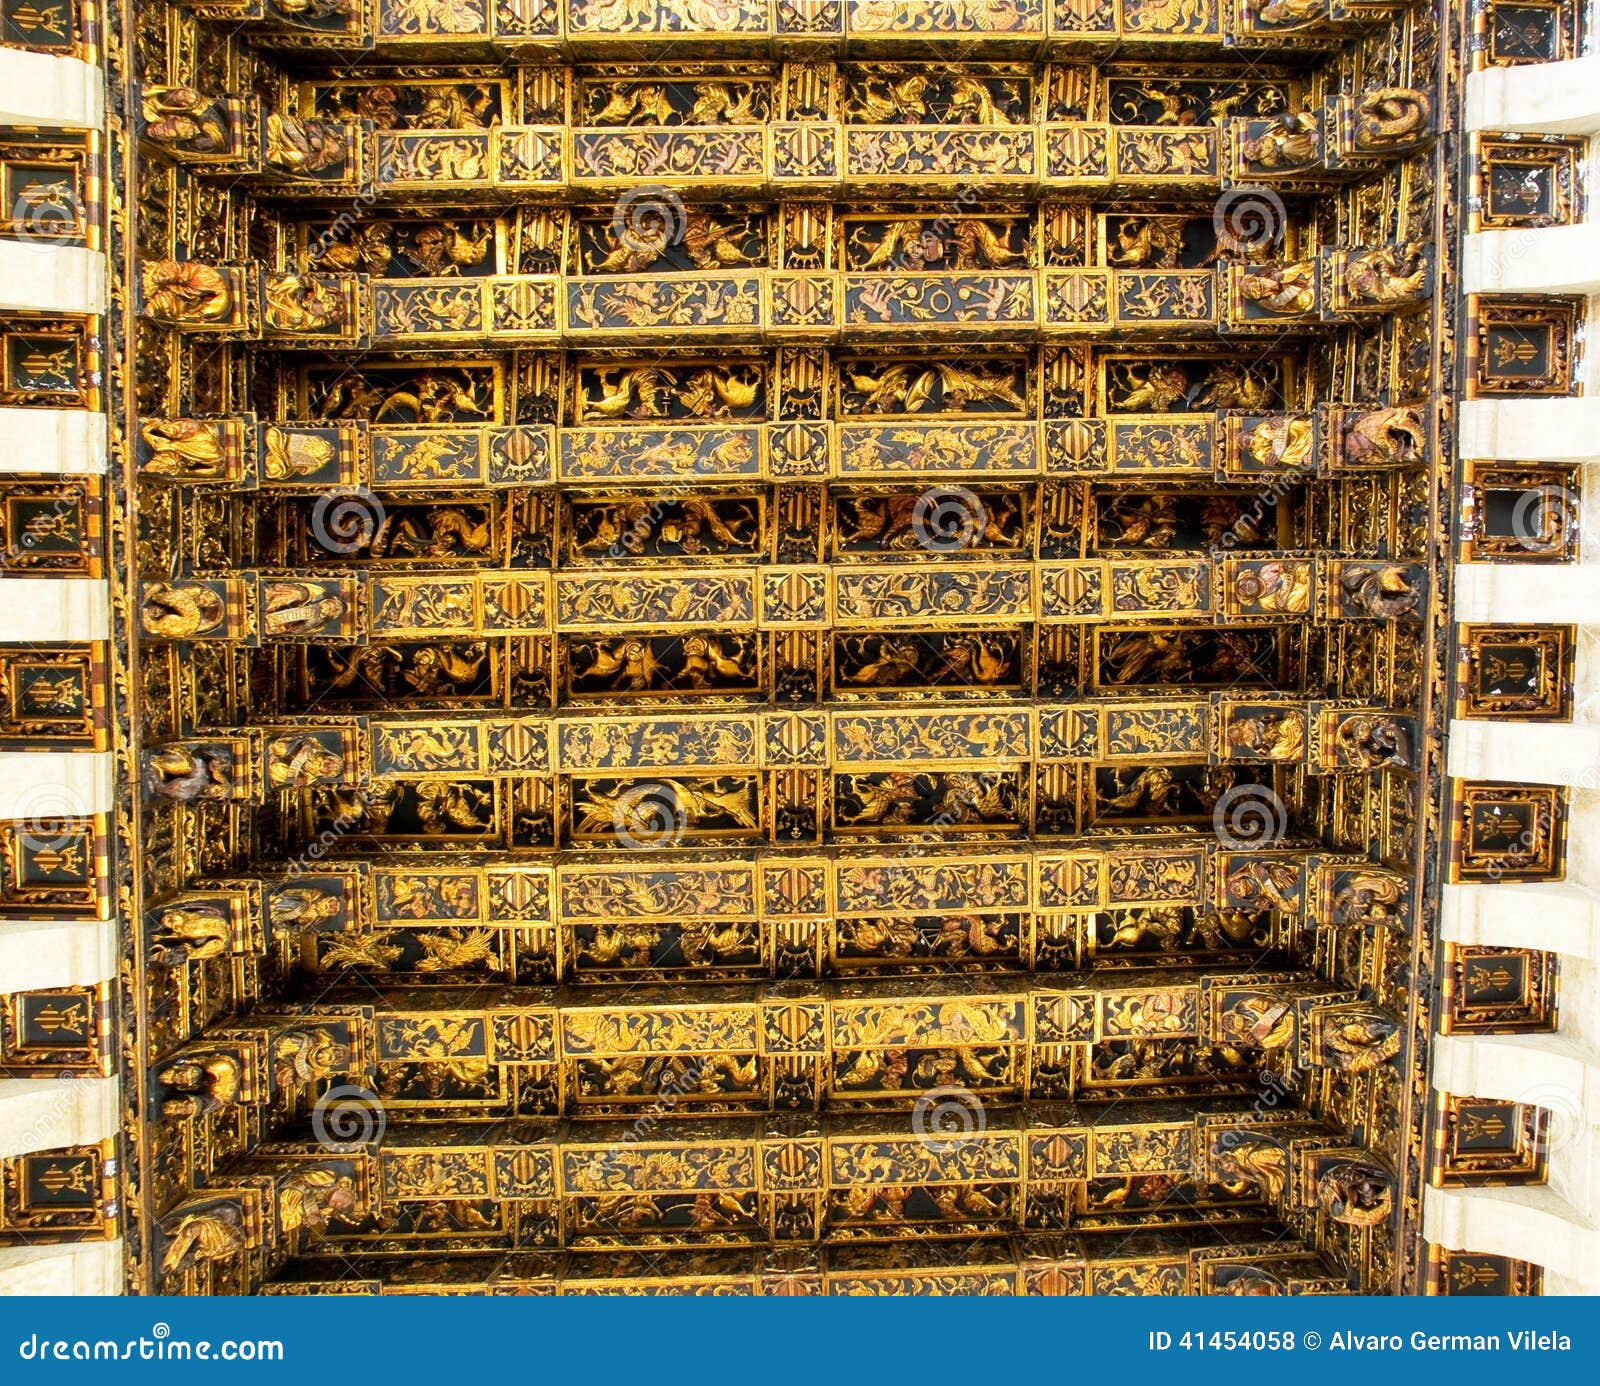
x=299 y=608
x=301 y=907
x=295 y=761
x=1374 y=741
x=189 y=448
x=1262 y=1162
x=1258 y=1022
x=304 y=146
x=1385 y=437
x=183 y=291
x=1282 y=441
x=292 y=454
x=1357 y=1039
x=1389 y=274
x=1282 y=288
x=1265 y=885
x=1268 y=735
x=186 y=120
x=305 y=1056
x=300 y=303
x=192 y=931
x=1287 y=142
x=1382 y=592
x=1284 y=588
x=309 y=1199
x=1369 y=897
x=200 y=1238
x=184 y=774
x=1356 y=1195
x=200 y=1086
x=1390 y=116
x=1285 y=14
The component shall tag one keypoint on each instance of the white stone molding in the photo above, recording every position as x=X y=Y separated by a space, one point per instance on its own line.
x=1556 y=1225
x=49 y=953
x=46 y=90
x=46 y=611
x=67 y=1268
x=1525 y=752
x=1552 y=260
x=1579 y=1014
x=1551 y=916
x=49 y=1113
x=41 y=785
x=37 y=277
x=1530 y=1224
x=1517 y=593
x=1523 y=430
x=69 y=442
x=1583 y=844
x=1558 y=1073
x=1536 y=98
